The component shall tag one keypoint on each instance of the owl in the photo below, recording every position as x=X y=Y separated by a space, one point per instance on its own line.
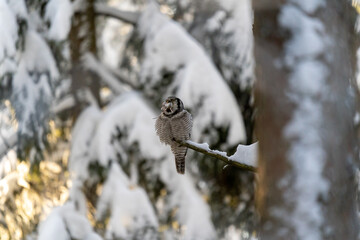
x=174 y=122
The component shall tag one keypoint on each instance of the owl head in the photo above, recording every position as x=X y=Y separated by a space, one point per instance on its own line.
x=171 y=106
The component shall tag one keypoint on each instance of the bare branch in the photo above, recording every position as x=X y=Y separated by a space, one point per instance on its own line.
x=125 y=16
x=204 y=148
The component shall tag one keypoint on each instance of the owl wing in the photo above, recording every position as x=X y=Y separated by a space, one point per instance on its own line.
x=163 y=129
x=181 y=126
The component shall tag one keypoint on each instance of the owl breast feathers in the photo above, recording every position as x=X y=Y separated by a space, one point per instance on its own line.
x=174 y=123
x=178 y=127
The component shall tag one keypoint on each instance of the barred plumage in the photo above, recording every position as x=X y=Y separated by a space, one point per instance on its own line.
x=174 y=122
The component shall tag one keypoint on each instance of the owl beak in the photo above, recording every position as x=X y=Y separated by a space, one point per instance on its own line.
x=166 y=107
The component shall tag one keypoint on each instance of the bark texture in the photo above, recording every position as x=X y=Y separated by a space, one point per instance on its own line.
x=278 y=101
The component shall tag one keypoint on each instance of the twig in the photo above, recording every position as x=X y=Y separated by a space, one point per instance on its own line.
x=216 y=154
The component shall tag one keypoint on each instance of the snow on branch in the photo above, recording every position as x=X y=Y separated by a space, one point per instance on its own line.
x=245 y=157
x=111 y=77
x=8 y=143
x=114 y=82
x=126 y=16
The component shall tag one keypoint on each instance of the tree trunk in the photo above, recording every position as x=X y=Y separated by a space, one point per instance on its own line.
x=82 y=38
x=304 y=94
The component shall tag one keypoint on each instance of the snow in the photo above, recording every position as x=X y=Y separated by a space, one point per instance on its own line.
x=193 y=214
x=91 y=63
x=59 y=13
x=19 y=8
x=303 y=77
x=246 y=154
x=131 y=115
x=8 y=127
x=307 y=90
x=127 y=17
x=131 y=210
x=65 y=223
x=115 y=33
x=94 y=137
x=93 y=140
x=204 y=146
x=8 y=163
x=31 y=83
x=237 y=31
x=32 y=68
x=8 y=29
x=9 y=184
x=233 y=233
x=38 y=56
x=309 y=6
x=76 y=194
x=308 y=40
x=54 y=224
x=197 y=82
x=82 y=133
x=214 y=23
x=7 y=66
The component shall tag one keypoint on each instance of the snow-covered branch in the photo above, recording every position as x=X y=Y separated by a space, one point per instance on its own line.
x=126 y=16
x=111 y=77
x=245 y=157
x=8 y=143
x=65 y=103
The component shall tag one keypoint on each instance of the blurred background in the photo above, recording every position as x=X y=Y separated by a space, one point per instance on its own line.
x=81 y=85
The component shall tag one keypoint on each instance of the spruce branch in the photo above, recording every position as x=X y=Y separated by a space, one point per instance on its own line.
x=204 y=149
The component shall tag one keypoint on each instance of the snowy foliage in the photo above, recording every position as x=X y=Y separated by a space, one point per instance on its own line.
x=104 y=137
x=130 y=116
x=231 y=29
x=9 y=37
x=132 y=215
x=8 y=176
x=7 y=128
x=9 y=29
x=28 y=68
x=83 y=131
x=31 y=85
x=115 y=34
x=196 y=80
x=59 y=13
x=114 y=150
x=66 y=223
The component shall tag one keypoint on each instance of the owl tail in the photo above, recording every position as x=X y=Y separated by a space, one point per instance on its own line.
x=180 y=164
x=180 y=153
